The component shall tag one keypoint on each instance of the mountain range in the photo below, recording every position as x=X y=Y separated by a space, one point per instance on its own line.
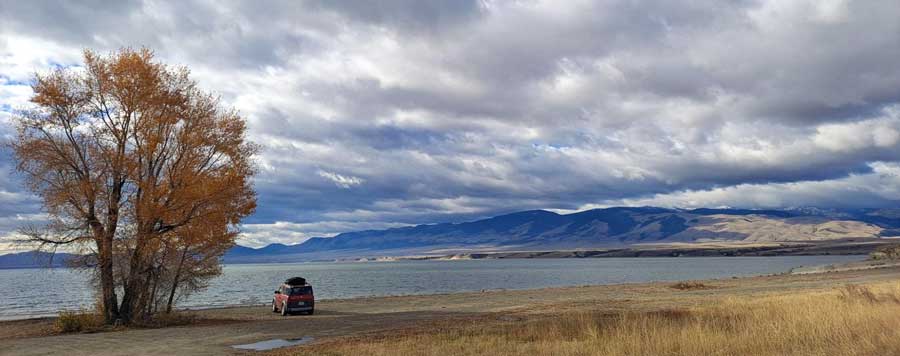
x=597 y=228
x=32 y=259
x=537 y=230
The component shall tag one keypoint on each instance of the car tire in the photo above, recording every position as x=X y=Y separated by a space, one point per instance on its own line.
x=274 y=306
x=310 y=312
x=284 y=309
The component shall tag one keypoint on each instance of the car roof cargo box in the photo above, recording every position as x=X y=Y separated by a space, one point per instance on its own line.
x=296 y=281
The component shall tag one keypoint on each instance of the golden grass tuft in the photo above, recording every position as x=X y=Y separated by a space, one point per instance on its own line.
x=88 y=321
x=853 y=320
x=79 y=321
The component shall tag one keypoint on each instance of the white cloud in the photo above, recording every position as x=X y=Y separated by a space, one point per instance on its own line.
x=341 y=180
x=258 y=235
x=875 y=133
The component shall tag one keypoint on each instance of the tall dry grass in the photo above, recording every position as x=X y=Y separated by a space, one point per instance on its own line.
x=79 y=321
x=852 y=320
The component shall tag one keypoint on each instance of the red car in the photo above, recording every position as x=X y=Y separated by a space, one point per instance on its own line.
x=294 y=296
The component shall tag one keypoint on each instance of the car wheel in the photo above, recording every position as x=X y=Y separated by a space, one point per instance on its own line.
x=284 y=309
x=274 y=306
x=311 y=311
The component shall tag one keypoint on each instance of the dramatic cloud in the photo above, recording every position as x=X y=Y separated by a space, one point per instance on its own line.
x=377 y=114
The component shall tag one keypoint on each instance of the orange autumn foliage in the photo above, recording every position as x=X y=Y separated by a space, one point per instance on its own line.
x=137 y=165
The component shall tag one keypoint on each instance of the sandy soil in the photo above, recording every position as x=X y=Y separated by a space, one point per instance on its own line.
x=244 y=325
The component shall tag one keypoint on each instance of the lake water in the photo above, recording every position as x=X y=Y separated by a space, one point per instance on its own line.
x=41 y=292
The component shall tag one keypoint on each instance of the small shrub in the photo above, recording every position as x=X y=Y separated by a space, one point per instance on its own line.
x=890 y=253
x=79 y=321
x=690 y=285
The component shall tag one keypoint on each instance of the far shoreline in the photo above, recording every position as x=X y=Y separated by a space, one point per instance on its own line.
x=843 y=247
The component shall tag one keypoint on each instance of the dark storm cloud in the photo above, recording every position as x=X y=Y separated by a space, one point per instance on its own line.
x=202 y=31
x=378 y=114
x=404 y=14
x=71 y=22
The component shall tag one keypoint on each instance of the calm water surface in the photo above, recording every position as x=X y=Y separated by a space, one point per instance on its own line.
x=41 y=292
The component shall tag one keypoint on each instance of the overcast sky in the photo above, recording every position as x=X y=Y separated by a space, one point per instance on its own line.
x=375 y=114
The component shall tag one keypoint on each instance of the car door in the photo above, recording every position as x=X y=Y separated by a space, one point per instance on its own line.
x=280 y=297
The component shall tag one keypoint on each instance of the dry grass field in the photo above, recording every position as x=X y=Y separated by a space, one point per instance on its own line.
x=849 y=320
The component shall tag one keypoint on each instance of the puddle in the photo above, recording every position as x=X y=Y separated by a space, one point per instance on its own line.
x=274 y=344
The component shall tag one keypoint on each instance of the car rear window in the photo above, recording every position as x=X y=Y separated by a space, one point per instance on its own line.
x=300 y=290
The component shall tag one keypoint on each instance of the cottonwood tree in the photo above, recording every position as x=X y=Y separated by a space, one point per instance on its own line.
x=138 y=166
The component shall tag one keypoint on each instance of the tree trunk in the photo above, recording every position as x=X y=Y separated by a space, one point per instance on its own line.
x=129 y=299
x=107 y=283
x=151 y=295
x=131 y=287
x=104 y=240
x=108 y=235
x=136 y=280
x=176 y=280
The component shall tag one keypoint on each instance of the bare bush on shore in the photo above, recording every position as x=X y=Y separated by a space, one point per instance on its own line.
x=886 y=253
x=79 y=321
x=690 y=285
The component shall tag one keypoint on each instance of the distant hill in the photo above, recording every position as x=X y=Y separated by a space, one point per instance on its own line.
x=610 y=227
x=34 y=259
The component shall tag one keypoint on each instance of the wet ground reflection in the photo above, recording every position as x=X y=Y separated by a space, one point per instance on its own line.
x=273 y=344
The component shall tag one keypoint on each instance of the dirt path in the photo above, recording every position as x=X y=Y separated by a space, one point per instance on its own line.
x=355 y=316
